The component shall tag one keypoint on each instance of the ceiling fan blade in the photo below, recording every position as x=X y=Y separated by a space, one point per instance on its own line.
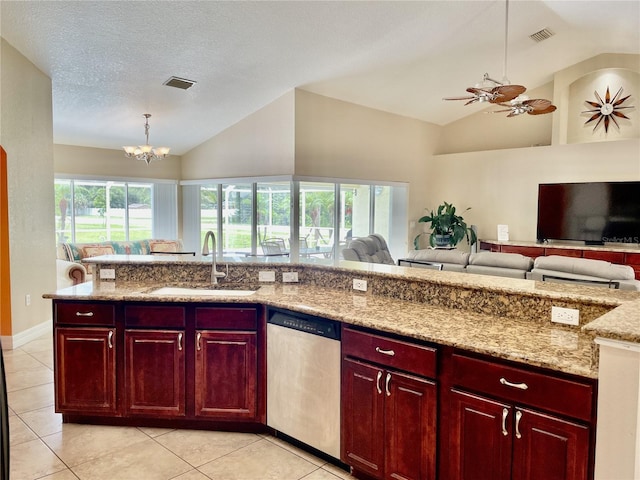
x=549 y=109
x=480 y=91
x=466 y=97
x=505 y=93
x=537 y=103
x=500 y=111
x=473 y=100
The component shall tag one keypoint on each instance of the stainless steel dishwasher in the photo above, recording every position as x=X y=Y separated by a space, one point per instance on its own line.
x=303 y=379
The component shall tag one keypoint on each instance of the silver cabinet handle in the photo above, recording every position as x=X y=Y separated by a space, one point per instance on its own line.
x=198 y=337
x=391 y=353
x=521 y=386
x=180 y=341
x=518 y=417
x=378 y=382
x=109 y=340
x=84 y=314
x=505 y=414
x=386 y=385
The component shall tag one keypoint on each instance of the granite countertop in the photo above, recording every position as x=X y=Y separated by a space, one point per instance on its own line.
x=533 y=343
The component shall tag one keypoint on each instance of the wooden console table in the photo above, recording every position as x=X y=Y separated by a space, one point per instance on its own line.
x=620 y=255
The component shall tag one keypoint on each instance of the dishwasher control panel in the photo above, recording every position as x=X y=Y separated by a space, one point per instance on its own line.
x=306 y=323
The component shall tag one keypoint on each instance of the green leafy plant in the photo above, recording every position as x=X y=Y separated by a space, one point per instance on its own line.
x=446 y=226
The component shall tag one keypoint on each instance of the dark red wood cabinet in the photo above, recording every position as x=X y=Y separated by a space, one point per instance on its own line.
x=388 y=415
x=154 y=373
x=500 y=426
x=85 y=370
x=150 y=361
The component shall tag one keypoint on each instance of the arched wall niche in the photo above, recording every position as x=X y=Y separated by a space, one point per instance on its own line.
x=583 y=89
x=567 y=90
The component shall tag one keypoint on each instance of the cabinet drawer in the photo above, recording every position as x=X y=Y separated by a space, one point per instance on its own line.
x=532 y=252
x=157 y=316
x=226 y=318
x=390 y=352
x=613 y=257
x=563 y=252
x=79 y=313
x=518 y=385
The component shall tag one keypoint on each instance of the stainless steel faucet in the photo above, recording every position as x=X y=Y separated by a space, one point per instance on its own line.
x=215 y=274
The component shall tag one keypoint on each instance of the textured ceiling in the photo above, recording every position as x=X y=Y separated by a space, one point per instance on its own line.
x=108 y=59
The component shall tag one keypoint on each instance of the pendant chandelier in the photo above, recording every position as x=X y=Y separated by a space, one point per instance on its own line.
x=146 y=152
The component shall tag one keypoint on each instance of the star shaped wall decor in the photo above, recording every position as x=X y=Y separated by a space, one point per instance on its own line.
x=607 y=109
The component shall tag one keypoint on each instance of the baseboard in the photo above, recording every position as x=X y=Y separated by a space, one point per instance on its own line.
x=16 y=341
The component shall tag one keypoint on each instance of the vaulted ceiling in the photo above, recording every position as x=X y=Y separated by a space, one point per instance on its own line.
x=108 y=60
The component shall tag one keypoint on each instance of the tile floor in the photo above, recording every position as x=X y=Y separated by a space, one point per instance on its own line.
x=42 y=447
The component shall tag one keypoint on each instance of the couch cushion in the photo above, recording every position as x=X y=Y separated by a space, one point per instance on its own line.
x=585 y=266
x=96 y=250
x=503 y=260
x=440 y=256
x=165 y=245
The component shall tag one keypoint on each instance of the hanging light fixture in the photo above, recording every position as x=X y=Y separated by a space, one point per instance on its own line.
x=146 y=152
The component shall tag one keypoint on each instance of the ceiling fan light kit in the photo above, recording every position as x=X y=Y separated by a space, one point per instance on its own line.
x=503 y=93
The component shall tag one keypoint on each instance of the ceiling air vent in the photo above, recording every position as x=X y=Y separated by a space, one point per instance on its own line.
x=178 y=82
x=541 y=35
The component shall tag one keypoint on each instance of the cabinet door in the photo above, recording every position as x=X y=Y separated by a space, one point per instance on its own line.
x=226 y=374
x=363 y=417
x=154 y=372
x=480 y=438
x=410 y=427
x=85 y=370
x=550 y=448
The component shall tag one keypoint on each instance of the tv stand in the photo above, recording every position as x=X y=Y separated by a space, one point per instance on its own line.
x=620 y=255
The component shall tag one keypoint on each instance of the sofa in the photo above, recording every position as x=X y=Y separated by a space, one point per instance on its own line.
x=69 y=273
x=371 y=249
x=556 y=268
x=76 y=252
x=551 y=268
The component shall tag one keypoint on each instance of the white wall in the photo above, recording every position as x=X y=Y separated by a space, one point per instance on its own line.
x=74 y=160
x=343 y=140
x=501 y=186
x=26 y=133
x=259 y=145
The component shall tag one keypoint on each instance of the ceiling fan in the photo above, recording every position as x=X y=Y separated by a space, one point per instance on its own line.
x=503 y=93
x=497 y=93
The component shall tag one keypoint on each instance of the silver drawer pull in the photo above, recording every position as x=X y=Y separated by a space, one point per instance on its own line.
x=180 y=341
x=386 y=385
x=505 y=414
x=518 y=418
x=391 y=353
x=110 y=339
x=198 y=337
x=521 y=386
x=378 y=382
x=84 y=314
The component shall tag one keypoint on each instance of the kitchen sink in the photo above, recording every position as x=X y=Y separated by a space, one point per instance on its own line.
x=218 y=291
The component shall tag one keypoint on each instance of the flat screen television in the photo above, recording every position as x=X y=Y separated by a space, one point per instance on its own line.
x=595 y=213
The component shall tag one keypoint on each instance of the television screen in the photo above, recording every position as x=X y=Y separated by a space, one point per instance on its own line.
x=596 y=213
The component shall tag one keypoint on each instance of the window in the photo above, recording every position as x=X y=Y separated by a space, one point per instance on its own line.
x=258 y=217
x=110 y=210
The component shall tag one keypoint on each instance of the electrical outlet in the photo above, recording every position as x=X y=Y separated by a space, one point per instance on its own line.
x=568 y=316
x=107 y=274
x=360 y=285
x=289 y=277
x=267 y=276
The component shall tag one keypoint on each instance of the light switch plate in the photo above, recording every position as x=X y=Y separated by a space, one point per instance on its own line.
x=289 y=277
x=360 y=285
x=107 y=274
x=267 y=276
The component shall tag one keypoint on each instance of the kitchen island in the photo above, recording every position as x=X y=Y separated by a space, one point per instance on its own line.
x=483 y=318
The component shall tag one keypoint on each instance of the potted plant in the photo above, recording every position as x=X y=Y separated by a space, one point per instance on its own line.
x=447 y=228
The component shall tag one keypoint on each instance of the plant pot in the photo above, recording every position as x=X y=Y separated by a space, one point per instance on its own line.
x=442 y=240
